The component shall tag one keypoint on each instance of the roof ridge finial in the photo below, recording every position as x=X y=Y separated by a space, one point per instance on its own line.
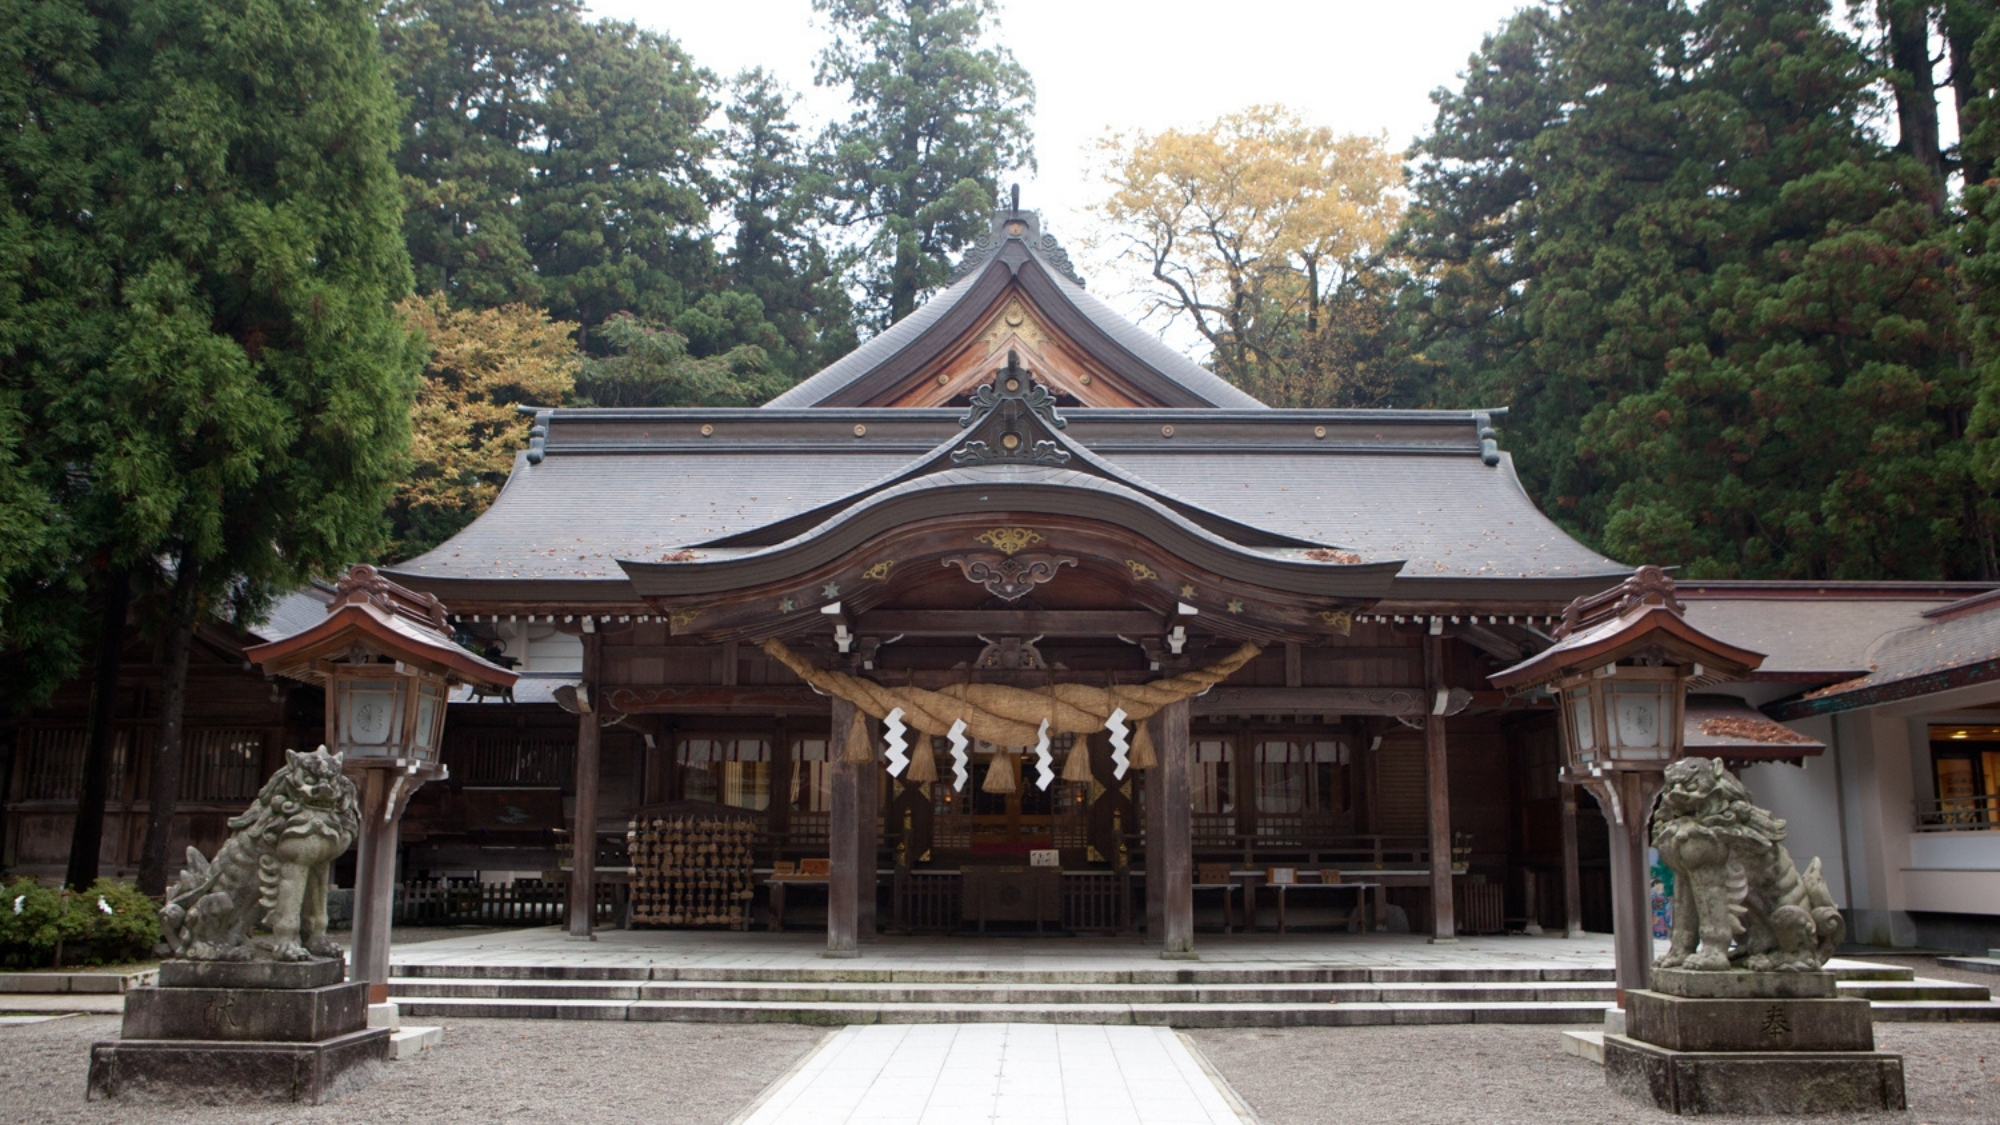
x=1013 y=403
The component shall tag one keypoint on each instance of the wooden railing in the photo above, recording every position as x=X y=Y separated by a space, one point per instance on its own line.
x=1481 y=908
x=1092 y=901
x=1097 y=901
x=1315 y=847
x=523 y=902
x=928 y=901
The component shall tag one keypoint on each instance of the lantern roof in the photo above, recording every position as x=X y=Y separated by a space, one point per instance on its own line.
x=370 y=614
x=1639 y=618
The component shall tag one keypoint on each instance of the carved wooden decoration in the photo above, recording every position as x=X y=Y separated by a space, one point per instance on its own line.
x=1010 y=577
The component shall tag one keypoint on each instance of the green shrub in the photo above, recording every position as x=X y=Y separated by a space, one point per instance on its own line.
x=42 y=927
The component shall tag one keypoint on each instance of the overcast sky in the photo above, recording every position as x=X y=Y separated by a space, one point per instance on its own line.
x=1358 y=66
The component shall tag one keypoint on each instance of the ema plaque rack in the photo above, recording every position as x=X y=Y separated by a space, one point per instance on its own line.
x=691 y=871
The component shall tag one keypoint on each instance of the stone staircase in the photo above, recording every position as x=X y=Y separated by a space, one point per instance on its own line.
x=1987 y=964
x=1181 y=997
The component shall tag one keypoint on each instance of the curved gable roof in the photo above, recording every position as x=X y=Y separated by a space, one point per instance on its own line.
x=1015 y=252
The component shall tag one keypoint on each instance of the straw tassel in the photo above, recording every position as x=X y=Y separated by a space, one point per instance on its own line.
x=860 y=748
x=1003 y=776
x=1077 y=766
x=923 y=763
x=1143 y=757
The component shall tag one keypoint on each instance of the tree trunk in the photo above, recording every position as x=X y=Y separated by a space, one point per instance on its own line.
x=1907 y=26
x=903 y=280
x=163 y=792
x=86 y=839
x=1963 y=25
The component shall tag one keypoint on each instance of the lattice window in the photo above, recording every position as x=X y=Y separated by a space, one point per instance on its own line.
x=52 y=769
x=222 y=764
x=515 y=759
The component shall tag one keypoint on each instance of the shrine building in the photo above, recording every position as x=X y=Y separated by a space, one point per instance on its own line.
x=1148 y=643
x=1014 y=485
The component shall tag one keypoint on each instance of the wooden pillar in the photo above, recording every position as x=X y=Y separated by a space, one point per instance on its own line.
x=1243 y=765
x=1156 y=838
x=374 y=883
x=1572 y=885
x=1444 y=928
x=842 y=911
x=779 y=813
x=1175 y=865
x=1626 y=799
x=867 y=842
x=583 y=826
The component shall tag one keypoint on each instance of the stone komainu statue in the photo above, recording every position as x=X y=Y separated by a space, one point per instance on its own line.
x=271 y=872
x=1738 y=900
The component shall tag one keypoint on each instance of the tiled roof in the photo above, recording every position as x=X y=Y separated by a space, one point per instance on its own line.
x=293 y=613
x=1938 y=655
x=636 y=484
x=1028 y=251
x=1827 y=635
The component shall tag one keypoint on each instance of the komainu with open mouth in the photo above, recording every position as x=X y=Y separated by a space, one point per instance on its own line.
x=1739 y=902
x=272 y=871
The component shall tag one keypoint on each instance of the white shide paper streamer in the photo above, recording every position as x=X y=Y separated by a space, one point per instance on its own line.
x=1043 y=759
x=893 y=726
x=960 y=775
x=1120 y=743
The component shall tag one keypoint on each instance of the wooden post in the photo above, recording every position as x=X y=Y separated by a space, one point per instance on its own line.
x=779 y=812
x=867 y=844
x=1444 y=928
x=1243 y=763
x=583 y=826
x=374 y=883
x=842 y=913
x=1156 y=837
x=1626 y=799
x=1572 y=886
x=1176 y=826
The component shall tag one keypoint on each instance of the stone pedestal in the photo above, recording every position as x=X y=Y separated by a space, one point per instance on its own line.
x=254 y=1031
x=1750 y=1043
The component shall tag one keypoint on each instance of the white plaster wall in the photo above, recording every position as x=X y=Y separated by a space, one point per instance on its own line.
x=541 y=648
x=1955 y=851
x=1853 y=807
x=1953 y=892
x=556 y=652
x=1808 y=799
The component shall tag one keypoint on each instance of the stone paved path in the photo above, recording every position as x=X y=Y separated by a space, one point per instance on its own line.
x=998 y=1074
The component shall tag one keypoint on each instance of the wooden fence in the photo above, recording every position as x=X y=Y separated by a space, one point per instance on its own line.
x=523 y=902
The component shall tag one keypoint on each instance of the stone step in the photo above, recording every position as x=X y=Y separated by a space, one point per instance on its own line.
x=1935 y=1011
x=84 y=982
x=1170 y=1015
x=851 y=975
x=1987 y=964
x=1914 y=989
x=1585 y=1045
x=847 y=992
x=409 y=1042
x=1844 y=969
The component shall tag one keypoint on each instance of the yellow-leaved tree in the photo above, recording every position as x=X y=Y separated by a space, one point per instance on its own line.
x=465 y=428
x=1266 y=233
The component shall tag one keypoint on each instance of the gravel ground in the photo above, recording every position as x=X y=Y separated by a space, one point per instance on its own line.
x=1491 y=1074
x=487 y=1072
